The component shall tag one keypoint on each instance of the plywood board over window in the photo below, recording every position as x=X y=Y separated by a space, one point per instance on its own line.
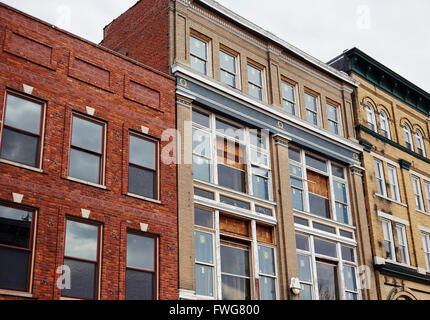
x=234 y=226
x=265 y=234
x=318 y=184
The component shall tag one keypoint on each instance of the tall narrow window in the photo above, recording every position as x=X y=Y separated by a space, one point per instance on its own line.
x=311 y=108
x=86 y=151
x=289 y=97
x=418 y=193
x=16 y=229
x=370 y=114
x=82 y=256
x=328 y=287
x=388 y=240
x=255 y=82
x=403 y=244
x=260 y=164
x=333 y=118
x=199 y=54
x=380 y=179
x=408 y=137
x=235 y=272
x=141 y=268
x=266 y=259
x=143 y=167
x=341 y=201
x=426 y=247
x=201 y=146
x=427 y=190
x=228 y=66
x=22 y=131
x=297 y=187
x=420 y=143
x=394 y=185
x=318 y=186
x=385 y=125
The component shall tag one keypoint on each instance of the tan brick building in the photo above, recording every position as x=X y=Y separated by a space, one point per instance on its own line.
x=392 y=117
x=270 y=181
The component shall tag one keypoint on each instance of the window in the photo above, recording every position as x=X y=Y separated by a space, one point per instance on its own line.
x=394 y=185
x=82 y=257
x=201 y=147
x=311 y=108
x=140 y=283
x=260 y=164
x=408 y=137
x=199 y=54
x=403 y=244
x=22 y=131
x=266 y=260
x=426 y=247
x=418 y=194
x=427 y=189
x=16 y=243
x=231 y=164
x=255 y=82
x=420 y=143
x=380 y=180
x=333 y=118
x=87 y=150
x=388 y=240
x=297 y=187
x=228 y=69
x=371 y=120
x=289 y=97
x=384 y=124
x=143 y=167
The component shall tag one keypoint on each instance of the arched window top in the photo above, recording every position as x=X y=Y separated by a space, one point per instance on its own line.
x=384 y=124
x=371 y=120
x=408 y=136
x=419 y=138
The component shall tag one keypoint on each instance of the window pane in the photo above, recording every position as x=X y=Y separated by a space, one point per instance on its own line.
x=255 y=91
x=306 y=292
x=333 y=127
x=227 y=62
x=23 y=114
x=266 y=260
x=265 y=211
x=204 y=280
x=228 y=78
x=261 y=187
x=332 y=112
x=340 y=192
x=316 y=163
x=349 y=278
x=198 y=64
x=15 y=227
x=203 y=247
x=234 y=288
x=235 y=202
x=231 y=178
x=348 y=254
x=323 y=227
x=140 y=252
x=254 y=75
x=143 y=152
x=201 y=118
x=304 y=268
x=297 y=172
x=342 y=213
x=327 y=281
x=289 y=107
x=297 y=197
x=83 y=279
x=19 y=147
x=201 y=169
x=312 y=117
x=302 y=242
x=139 y=285
x=288 y=91
x=259 y=140
x=351 y=296
x=87 y=135
x=84 y=166
x=142 y=182
x=294 y=154
x=198 y=47
x=319 y=205
x=14 y=265
x=267 y=288
x=301 y=221
x=203 y=218
x=201 y=143
x=259 y=158
x=311 y=102
x=337 y=171
x=325 y=248
x=204 y=194
x=234 y=261
x=81 y=240
x=229 y=130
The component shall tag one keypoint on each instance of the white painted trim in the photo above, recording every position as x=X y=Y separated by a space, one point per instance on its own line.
x=424 y=229
x=419 y=175
x=16 y=164
x=379 y=157
x=142 y=198
x=16 y=294
x=389 y=199
x=86 y=182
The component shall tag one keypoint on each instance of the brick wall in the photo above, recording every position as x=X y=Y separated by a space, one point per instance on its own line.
x=71 y=74
x=141 y=33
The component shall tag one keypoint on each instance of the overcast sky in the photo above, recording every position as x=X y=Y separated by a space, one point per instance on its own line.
x=394 y=32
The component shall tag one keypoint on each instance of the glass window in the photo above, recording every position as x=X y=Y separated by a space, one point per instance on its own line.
x=333 y=118
x=289 y=97
x=350 y=279
x=388 y=240
x=142 y=175
x=427 y=189
x=341 y=202
x=203 y=218
x=325 y=248
x=235 y=202
x=255 y=82
x=385 y=125
x=328 y=288
x=418 y=193
x=420 y=143
x=198 y=54
x=235 y=273
x=230 y=130
x=302 y=242
x=403 y=244
x=86 y=150
x=380 y=180
x=204 y=263
x=266 y=259
x=311 y=108
x=22 y=129
x=231 y=164
x=15 y=248
x=316 y=163
x=228 y=68
x=260 y=182
x=408 y=137
x=348 y=254
x=370 y=114
x=338 y=171
x=140 y=272
x=201 y=118
x=81 y=256
x=318 y=187
x=297 y=187
x=394 y=185
x=426 y=247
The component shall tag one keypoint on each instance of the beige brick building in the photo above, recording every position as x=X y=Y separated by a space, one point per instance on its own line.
x=392 y=117
x=270 y=179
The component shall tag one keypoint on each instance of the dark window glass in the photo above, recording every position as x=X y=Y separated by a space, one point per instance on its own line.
x=231 y=178
x=204 y=280
x=258 y=139
x=234 y=288
x=229 y=129
x=266 y=260
x=301 y=221
x=319 y=205
x=338 y=171
x=14 y=269
x=20 y=147
x=294 y=154
x=15 y=227
x=87 y=135
x=84 y=166
x=142 y=182
x=203 y=246
x=234 y=261
x=236 y=203
x=140 y=285
x=204 y=194
x=304 y=263
x=81 y=240
x=325 y=248
x=345 y=234
x=348 y=254
x=265 y=211
x=302 y=242
x=83 y=279
x=143 y=152
x=23 y=114
x=316 y=163
x=327 y=281
x=323 y=227
x=201 y=118
x=203 y=218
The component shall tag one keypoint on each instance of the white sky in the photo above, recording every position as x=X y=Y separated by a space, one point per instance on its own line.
x=394 y=32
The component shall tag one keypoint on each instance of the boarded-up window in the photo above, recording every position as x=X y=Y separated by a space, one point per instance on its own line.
x=234 y=226
x=231 y=165
x=318 y=187
x=265 y=234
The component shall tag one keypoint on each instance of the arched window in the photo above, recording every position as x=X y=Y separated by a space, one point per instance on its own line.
x=385 y=126
x=371 y=121
x=408 y=137
x=420 y=143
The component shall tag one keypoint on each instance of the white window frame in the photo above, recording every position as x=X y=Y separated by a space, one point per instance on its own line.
x=427 y=191
x=426 y=248
x=388 y=237
x=419 y=139
x=370 y=116
x=318 y=106
x=403 y=242
x=384 y=124
x=380 y=177
x=274 y=277
x=295 y=102
x=416 y=183
x=394 y=183
x=236 y=63
x=338 y=123
x=263 y=81
x=408 y=136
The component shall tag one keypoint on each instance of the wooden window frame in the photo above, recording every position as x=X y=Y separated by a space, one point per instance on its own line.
x=262 y=69
x=293 y=84
x=338 y=123
x=317 y=97
x=236 y=57
x=197 y=35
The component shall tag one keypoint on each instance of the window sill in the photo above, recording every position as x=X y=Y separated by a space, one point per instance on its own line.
x=423 y=212
x=19 y=165
x=70 y=299
x=384 y=261
x=86 y=183
x=16 y=294
x=391 y=200
x=142 y=198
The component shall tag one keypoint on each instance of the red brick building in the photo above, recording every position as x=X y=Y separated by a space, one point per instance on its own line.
x=81 y=180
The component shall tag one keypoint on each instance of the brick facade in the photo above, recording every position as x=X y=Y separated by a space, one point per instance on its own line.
x=70 y=75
